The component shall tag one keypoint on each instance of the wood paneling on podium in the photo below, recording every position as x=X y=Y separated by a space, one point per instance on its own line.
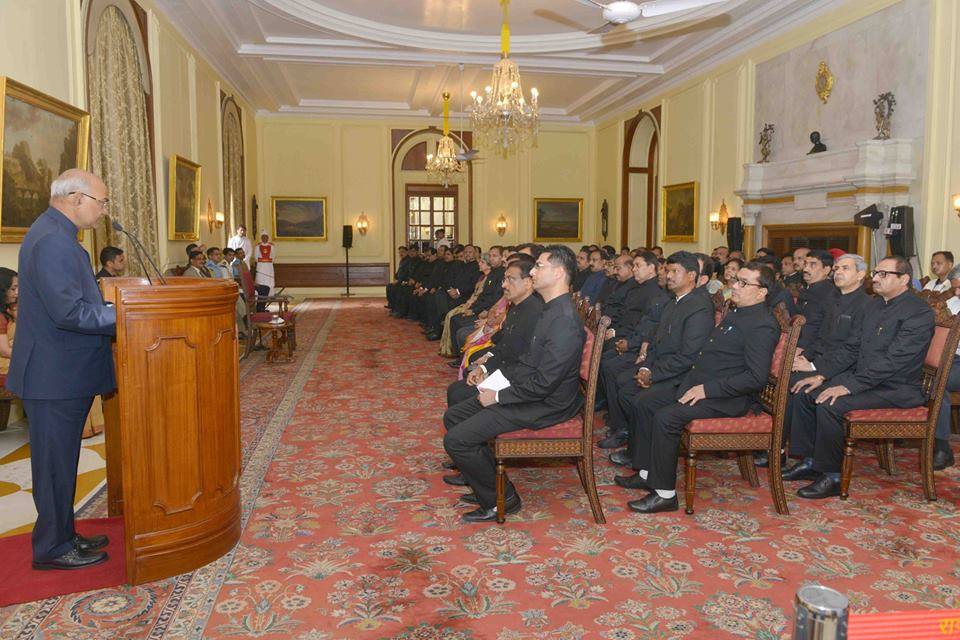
x=173 y=426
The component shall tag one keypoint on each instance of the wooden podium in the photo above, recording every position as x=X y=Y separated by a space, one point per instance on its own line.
x=173 y=425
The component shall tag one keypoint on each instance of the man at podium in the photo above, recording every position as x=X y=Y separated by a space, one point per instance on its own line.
x=61 y=361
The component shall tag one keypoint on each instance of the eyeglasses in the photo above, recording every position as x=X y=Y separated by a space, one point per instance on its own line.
x=103 y=203
x=883 y=274
x=542 y=265
x=515 y=278
x=740 y=282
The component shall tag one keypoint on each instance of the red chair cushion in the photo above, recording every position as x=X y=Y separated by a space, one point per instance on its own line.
x=572 y=428
x=585 y=358
x=777 y=361
x=912 y=414
x=266 y=316
x=759 y=423
x=937 y=344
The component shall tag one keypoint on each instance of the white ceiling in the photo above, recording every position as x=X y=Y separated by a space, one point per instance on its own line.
x=397 y=57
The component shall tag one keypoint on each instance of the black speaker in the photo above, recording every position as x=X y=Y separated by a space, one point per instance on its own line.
x=347 y=236
x=869 y=217
x=735 y=234
x=900 y=231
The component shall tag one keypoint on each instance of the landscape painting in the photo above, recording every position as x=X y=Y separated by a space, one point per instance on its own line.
x=557 y=219
x=679 y=212
x=299 y=218
x=41 y=138
x=184 y=199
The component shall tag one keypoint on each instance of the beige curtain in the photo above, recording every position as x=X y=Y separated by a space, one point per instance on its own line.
x=120 y=148
x=232 y=164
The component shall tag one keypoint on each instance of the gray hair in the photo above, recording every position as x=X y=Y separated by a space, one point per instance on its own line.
x=858 y=261
x=954 y=274
x=67 y=183
x=486 y=257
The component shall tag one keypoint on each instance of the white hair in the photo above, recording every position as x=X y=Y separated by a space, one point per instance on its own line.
x=68 y=183
x=860 y=263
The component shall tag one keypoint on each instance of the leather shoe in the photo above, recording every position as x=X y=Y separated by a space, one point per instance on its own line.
x=470 y=498
x=825 y=487
x=454 y=364
x=614 y=440
x=620 y=458
x=89 y=544
x=632 y=482
x=653 y=503
x=457 y=480
x=449 y=465
x=432 y=337
x=512 y=505
x=800 y=471
x=72 y=559
x=942 y=458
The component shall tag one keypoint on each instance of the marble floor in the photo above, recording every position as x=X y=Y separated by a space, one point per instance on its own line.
x=17 y=512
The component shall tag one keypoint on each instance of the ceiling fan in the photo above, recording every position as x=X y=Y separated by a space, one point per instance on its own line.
x=623 y=11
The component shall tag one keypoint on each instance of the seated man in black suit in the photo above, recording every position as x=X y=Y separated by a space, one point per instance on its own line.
x=731 y=368
x=897 y=329
x=544 y=388
x=819 y=295
x=631 y=296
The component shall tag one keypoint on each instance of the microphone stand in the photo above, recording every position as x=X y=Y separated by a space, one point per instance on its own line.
x=141 y=251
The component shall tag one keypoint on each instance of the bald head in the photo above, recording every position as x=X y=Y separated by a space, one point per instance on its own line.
x=81 y=196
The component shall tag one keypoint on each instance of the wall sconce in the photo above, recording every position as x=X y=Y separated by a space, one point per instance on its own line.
x=363 y=223
x=214 y=218
x=219 y=219
x=718 y=219
x=956 y=203
x=501 y=225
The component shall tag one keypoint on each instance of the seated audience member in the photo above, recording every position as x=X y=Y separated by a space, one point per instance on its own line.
x=625 y=251
x=238 y=256
x=226 y=263
x=941 y=263
x=9 y=294
x=730 y=271
x=197 y=266
x=787 y=269
x=720 y=256
x=491 y=290
x=583 y=268
x=214 y=256
x=402 y=274
x=795 y=279
x=113 y=262
x=730 y=369
x=896 y=333
x=448 y=346
x=409 y=296
x=684 y=323
x=432 y=297
x=594 y=283
x=610 y=278
x=765 y=252
x=657 y=251
x=942 y=453
x=461 y=280
x=636 y=288
x=817 y=297
x=511 y=339
x=544 y=388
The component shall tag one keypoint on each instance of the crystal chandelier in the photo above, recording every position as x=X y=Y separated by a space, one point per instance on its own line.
x=444 y=163
x=502 y=118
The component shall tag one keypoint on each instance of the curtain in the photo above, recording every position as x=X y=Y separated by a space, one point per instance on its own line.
x=120 y=140
x=232 y=165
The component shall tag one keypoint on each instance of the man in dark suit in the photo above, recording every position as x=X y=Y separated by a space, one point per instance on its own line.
x=544 y=387
x=630 y=297
x=819 y=295
x=113 y=262
x=731 y=368
x=897 y=329
x=61 y=360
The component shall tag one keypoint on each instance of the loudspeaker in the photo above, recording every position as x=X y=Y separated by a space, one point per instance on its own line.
x=735 y=234
x=900 y=231
x=347 y=236
x=869 y=217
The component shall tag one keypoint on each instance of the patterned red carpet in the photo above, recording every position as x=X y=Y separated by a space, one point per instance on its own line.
x=350 y=533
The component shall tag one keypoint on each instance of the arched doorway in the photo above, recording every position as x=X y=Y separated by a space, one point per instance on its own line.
x=639 y=203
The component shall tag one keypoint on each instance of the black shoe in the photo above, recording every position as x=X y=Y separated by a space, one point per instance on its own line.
x=632 y=482
x=454 y=364
x=614 y=441
x=654 y=504
x=457 y=480
x=449 y=465
x=621 y=458
x=825 y=487
x=470 y=498
x=942 y=458
x=512 y=505
x=800 y=471
x=89 y=544
x=72 y=559
x=432 y=337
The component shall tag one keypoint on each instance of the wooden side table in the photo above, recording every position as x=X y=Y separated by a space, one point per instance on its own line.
x=281 y=346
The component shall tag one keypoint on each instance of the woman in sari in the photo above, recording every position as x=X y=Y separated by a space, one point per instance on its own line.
x=480 y=338
x=446 y=340
x=8 y=326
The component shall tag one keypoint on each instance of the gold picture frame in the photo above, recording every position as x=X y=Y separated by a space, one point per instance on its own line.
x=31 y=123
x=554 y=221
x=183 y=209
x=824 y=83
x=299 y=219
x=679 y=212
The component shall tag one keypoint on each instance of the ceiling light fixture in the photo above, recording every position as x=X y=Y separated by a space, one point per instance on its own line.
x=444 y=164
x=501 y=116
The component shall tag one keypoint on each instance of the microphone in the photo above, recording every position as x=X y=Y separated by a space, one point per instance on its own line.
x=141 y=251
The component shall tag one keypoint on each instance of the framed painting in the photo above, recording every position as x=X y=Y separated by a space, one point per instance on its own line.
x=679 y=211
x=183 y=219
x=557 y=219
x=41 y=137
x=297 y=218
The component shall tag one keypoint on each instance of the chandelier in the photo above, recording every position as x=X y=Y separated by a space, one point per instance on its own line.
x=502 y=118
x=444 y=163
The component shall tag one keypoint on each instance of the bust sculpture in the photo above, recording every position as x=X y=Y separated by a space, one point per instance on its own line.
x=818 y=146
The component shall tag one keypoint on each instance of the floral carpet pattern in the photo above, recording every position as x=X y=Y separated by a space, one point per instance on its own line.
x=349 y=531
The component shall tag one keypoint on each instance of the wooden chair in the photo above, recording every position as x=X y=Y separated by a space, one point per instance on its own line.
x=746 y=434
x=913 y=423
x=252 y=300
x=570 y=439
x=5 y=399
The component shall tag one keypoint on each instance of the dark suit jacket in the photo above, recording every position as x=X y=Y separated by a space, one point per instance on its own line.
x=893 y=345
x=491 y=292
x=643 y=330
x=683 y=328
x=545 y=383
x=62 y=348
x=734 y=364
x=836 y=346
x=813 y=304
x=592 y=286
x=580 y=278
x=464 y=278
x=627 y=304
x=515 y=333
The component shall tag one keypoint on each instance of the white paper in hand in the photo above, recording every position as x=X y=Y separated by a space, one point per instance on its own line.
x=496 y=381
